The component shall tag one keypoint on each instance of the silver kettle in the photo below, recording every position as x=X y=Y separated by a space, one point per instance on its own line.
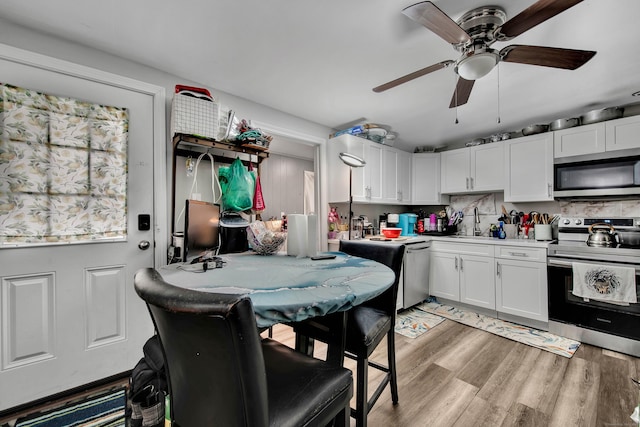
x=602 y=235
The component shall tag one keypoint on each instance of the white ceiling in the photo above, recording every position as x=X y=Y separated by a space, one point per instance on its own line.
x=319 y=60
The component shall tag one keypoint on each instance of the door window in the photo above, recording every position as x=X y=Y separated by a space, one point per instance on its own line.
x=63 y=169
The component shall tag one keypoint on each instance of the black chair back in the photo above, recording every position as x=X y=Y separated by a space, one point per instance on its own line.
x=390 y=255
x=213 y=354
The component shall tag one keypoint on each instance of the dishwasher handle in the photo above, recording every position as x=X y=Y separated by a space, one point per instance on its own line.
x=417 y=248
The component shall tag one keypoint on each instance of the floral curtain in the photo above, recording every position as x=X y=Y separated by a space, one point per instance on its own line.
x=63 y=169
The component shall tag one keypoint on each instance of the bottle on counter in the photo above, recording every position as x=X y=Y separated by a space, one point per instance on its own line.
x=432 y=222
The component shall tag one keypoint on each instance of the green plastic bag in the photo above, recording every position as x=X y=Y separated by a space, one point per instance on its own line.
x=238 y=185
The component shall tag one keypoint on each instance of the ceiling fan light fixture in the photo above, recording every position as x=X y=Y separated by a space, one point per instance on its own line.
x=478 y=65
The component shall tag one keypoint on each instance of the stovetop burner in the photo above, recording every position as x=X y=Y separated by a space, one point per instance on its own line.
x=580 y=250
x=573 y=234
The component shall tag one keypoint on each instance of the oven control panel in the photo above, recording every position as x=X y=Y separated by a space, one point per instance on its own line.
x=629 y=223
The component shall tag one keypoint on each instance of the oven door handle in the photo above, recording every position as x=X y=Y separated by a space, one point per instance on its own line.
x=555 y=262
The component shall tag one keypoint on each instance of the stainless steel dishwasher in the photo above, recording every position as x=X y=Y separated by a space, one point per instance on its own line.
x=416 y=273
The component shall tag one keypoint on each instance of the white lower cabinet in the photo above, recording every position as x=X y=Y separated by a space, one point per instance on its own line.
x=444 y=277
x=508 y=279
x=463 y=272
x=521 y=282
x=476 y=281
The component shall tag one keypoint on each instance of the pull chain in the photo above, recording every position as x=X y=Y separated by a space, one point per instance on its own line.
x=498 y=71
x=455 y=93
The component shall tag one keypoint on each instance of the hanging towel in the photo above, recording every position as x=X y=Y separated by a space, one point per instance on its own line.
x=607 y=283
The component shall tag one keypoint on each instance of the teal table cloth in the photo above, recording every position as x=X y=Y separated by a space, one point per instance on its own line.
x=287 y=289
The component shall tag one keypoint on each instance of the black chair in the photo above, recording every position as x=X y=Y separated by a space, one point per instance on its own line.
x=221 y=373
x=367 y=325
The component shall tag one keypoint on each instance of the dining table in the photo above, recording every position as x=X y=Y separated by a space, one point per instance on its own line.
x=289 y=289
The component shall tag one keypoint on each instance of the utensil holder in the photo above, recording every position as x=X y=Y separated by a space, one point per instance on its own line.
x=543 y=232
x=511 y=230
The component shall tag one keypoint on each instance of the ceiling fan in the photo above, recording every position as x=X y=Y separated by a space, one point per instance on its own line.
x=473 y=34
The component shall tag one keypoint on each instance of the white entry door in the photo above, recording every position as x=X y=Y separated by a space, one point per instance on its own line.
x=69 y=313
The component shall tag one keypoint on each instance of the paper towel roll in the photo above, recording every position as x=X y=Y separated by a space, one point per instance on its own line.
x=312 y=235
x=296 y=234
x=302 y=235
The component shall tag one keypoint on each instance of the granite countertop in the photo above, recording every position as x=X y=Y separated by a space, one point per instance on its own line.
x=459 y=238
x=494 y=241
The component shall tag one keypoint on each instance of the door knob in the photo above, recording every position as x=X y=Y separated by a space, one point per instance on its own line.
x=144 y=245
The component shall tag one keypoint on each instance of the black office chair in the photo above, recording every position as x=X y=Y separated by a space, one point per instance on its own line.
x=367 y=325
x=221 y=373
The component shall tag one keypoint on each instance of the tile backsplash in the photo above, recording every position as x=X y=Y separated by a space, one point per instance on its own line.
x=490 y=208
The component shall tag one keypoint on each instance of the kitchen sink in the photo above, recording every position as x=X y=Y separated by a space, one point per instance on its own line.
x=456 y=236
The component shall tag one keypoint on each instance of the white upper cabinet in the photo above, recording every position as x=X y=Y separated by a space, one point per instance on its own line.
x=404 y=177
x=425 y=177
x=487 y=167
x=473 y=169
x=373 y=172
x=579 y=140
x=529 y=168
x=612 y=135
x=383 y=178
x=338 y=172
x=396 y=172
x=391 y=183
x=454 y=171
x=623 y=133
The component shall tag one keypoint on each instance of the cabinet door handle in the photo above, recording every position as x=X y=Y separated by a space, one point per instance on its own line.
x=498 y=272
x=456 y=263
x=467 y=183
x=461 y=264
x=549 y=190
x=471 y=179
x=520 y=254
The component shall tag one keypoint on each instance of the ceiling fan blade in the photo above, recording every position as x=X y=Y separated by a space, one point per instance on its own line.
x=462 y=92
x=428 y=14
x=411 y=76
x=568 y=59
x=535 y=14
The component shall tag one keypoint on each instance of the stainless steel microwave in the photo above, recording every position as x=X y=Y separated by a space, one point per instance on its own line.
x=618 y=176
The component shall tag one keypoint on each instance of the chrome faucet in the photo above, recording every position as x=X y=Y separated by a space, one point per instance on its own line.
x=476 y=222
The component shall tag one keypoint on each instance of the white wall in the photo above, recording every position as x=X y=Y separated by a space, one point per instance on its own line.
x=282 y=185
x=23 y=38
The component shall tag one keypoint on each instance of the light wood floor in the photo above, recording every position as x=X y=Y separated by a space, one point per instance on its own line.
x=455 y=375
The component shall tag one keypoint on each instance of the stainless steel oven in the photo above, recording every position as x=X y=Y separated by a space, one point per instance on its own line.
x=610 y=325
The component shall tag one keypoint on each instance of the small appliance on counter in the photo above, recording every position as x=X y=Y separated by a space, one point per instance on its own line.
x=408 y=223
x=393 y=220
x=233 y=233
x=357 y=228
x=367 y=226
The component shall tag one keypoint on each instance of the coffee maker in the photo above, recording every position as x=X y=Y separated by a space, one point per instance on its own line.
x=408 y=223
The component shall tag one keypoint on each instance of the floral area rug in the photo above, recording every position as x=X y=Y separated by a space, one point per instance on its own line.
x=413 y=322
x=526 y=335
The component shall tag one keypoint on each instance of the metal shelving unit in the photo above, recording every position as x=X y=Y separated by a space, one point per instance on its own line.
x=191 y=145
